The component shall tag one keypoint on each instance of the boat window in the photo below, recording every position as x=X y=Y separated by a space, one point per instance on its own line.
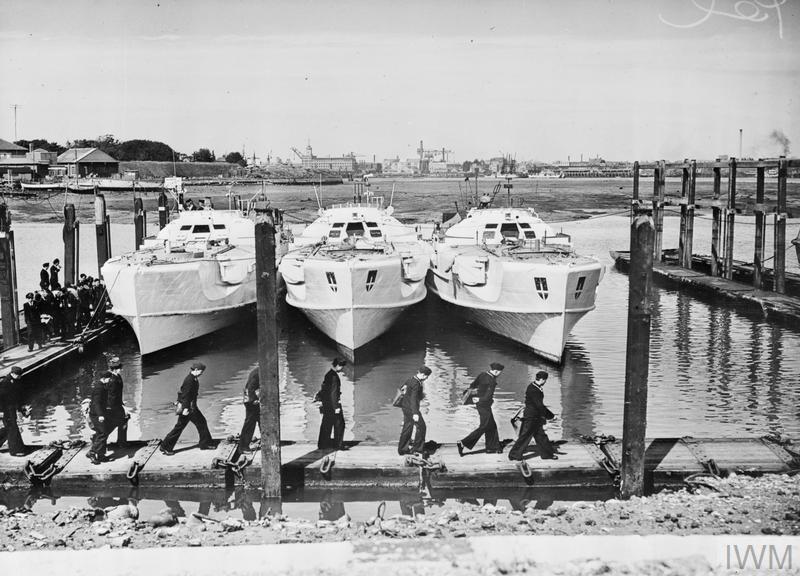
x=579 y=287
x=494 y=225
x=219 y=226
x=541 y=287
x=186 y=227
x=334 y=233
x=371 y=276
x=509 y=231
x=524 y=225
x=338 y=224
x=201 y=229
x=530 y=234
x=488 y=235
x=372 y=224
x=331 y=281
x=355 y=229
x=375 y=233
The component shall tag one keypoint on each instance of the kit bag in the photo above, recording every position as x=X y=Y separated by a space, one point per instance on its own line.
x=466 y=396
x=398 y=396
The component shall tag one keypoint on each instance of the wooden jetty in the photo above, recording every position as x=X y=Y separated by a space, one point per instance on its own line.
x=55 y=351
x=587 y=463
x=772 y=305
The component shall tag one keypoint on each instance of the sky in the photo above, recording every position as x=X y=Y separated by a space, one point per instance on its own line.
x=540 y=80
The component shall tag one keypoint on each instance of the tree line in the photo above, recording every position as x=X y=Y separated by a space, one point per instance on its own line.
x=132 y=150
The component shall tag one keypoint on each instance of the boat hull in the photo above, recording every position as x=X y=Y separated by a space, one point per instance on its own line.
x=353 y=327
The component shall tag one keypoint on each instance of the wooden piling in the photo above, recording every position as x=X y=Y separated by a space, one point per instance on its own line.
x=266 y=318
x=759 y=244
x=684 y=213
x=100 y=230
x=716 y=212
x=163 y=210
x=70 y=253
x=8 y=281
x=730 y=220
x=659 y=185
x=138 y=222
x=635 y=196
x=779 y=265
x=634 y=423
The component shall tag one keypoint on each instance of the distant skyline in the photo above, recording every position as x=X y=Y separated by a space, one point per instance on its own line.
x=540 y=80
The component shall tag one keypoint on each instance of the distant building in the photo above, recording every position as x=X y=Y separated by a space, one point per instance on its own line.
x=345 y=164
x=17 y=163
x=11 y=150
x=88 y=161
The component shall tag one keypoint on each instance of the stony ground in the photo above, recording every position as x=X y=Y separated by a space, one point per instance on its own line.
x=735 y=505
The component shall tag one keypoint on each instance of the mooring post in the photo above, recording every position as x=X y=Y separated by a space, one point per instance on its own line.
x=780 y=229
x=69 y=233
x=635 y=195
x=659 y=185
x=266 y=318
x=684 y=214
x=100 y=230
x=758 y=248
x=716 y=213
x=8 y=281
x=690 y=204
x=730 y=219
x=163 y=210
x=634 y=419
x=138 y=222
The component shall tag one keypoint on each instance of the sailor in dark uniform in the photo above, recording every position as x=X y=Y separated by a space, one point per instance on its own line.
x=10 y=392
x=188 y=411
x=54 y=270
x=483 y=398
x=98 y=417
x=533 y=419
x=117 y=416
x=330 y=395
x=252 y=410
x=412 y=418
x=33 y=320
x=44 y=277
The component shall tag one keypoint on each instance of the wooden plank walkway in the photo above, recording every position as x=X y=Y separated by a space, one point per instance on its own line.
x=54 y=351
x=668 y=462
x=774 y=306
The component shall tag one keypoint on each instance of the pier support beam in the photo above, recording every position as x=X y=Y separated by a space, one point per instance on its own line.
x=8 y=281
x=730 y=220
x=688 y=178
x=716 y=213
x=634 y=423
x=70 y=233
x=138 y=222
x=659 y=185
x=634 y=196
x=758 y=248
x=101 y=231
x=163 y=210
x=780 y=230
x=266 y=318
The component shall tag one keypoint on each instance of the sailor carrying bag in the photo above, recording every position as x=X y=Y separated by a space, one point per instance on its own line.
x=466 y=396
x=398 y=396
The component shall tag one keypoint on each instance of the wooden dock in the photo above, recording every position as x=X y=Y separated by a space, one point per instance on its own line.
x=54 y=351
x=584 y=463
x=773 y=305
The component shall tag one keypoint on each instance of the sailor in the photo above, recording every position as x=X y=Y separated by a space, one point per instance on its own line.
x=483 y=398
x=44 y=276
x=252 y=410
x=412 y=435
x=330 y=395
x=54 y=270
x=98 y=417
x=33 y=320
x=187 y=411
x=10 y=393
x=71 y=307
x=533 y=419
x=485 y=201
x=117 y=416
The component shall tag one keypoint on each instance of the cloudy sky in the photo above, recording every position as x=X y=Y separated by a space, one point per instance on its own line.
x=545 y=79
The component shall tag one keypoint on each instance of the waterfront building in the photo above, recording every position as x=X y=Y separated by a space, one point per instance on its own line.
x=86 y=161
x=343 y=164
x=11 y=150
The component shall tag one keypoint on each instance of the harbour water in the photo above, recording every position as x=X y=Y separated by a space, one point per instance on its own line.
x=714 y=371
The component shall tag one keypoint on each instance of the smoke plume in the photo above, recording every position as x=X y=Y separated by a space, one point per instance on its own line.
x=779 y=138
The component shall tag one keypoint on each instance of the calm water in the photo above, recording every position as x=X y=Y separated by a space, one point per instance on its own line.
x=713 y=370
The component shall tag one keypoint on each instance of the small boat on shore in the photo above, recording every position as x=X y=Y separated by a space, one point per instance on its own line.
x=36 y=187
x=354 y=270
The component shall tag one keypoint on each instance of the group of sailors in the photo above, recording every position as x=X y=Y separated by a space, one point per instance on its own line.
x=106 y=413
x=56 y=311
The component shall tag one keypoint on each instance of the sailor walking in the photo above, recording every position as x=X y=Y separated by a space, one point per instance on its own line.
x=187 y=411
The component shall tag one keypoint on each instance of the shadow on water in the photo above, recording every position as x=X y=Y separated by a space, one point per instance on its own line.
x=317 y=504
